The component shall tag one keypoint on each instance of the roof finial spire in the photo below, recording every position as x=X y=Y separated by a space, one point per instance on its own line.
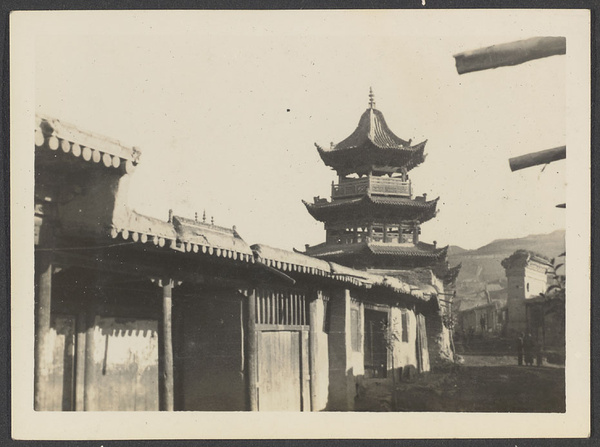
x=371 y=98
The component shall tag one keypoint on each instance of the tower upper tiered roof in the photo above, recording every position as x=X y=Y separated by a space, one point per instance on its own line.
x=372 y=148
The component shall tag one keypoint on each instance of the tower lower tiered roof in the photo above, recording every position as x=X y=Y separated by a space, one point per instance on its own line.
x=372 y=253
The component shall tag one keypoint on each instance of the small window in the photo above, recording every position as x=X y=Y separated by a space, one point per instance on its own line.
x=281 y=308
x=405 y=326
x=528 y=287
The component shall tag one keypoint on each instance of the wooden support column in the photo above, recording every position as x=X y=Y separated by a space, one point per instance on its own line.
x=313 y=319
x=166 y=389
x=80 y=361
x=306 y=369
x=251 y=356
x=89 y=394
x=416 y=233
x=43 y=273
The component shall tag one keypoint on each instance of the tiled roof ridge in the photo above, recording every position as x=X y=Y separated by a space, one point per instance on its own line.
x=209 y=226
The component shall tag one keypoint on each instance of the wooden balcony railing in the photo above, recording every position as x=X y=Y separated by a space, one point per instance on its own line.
x=382 y=186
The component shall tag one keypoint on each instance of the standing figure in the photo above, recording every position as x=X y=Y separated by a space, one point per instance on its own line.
x=528 y=347
x=520 y=348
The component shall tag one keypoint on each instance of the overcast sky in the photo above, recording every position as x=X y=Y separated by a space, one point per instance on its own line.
x=227 y=107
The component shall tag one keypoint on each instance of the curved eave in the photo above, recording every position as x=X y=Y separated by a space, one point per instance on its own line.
x=337 y=251
x=451 y=274
x=369 y=154
x=409 y=209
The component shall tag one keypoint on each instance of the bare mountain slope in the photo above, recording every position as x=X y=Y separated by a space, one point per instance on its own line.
x=483 y=264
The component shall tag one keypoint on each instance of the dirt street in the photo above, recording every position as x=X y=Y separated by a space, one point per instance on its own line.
x=481 y=384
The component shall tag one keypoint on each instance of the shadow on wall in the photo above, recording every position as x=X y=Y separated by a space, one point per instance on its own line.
x=343 y=389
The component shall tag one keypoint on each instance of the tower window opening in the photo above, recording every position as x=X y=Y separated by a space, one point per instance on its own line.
x=359 y=234
x=391 y=234
x=407 y=234
x=377 y=232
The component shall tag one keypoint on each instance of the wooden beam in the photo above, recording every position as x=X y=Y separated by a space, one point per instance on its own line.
x=277 y=273
x=251 y=354
x=167 y=395
x=538 y=158
x=508 y=54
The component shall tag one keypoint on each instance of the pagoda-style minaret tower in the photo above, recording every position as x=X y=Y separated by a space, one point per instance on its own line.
x=373 y=221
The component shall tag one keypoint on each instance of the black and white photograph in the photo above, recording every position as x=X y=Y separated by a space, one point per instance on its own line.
x=300 y=224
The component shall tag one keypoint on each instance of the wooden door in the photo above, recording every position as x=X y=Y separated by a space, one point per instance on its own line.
x=279 y=371
x=375 y=347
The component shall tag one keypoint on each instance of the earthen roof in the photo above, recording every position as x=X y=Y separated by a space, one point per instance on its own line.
x=184 y=235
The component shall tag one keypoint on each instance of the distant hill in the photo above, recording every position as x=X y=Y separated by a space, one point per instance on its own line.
x=483 y=264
